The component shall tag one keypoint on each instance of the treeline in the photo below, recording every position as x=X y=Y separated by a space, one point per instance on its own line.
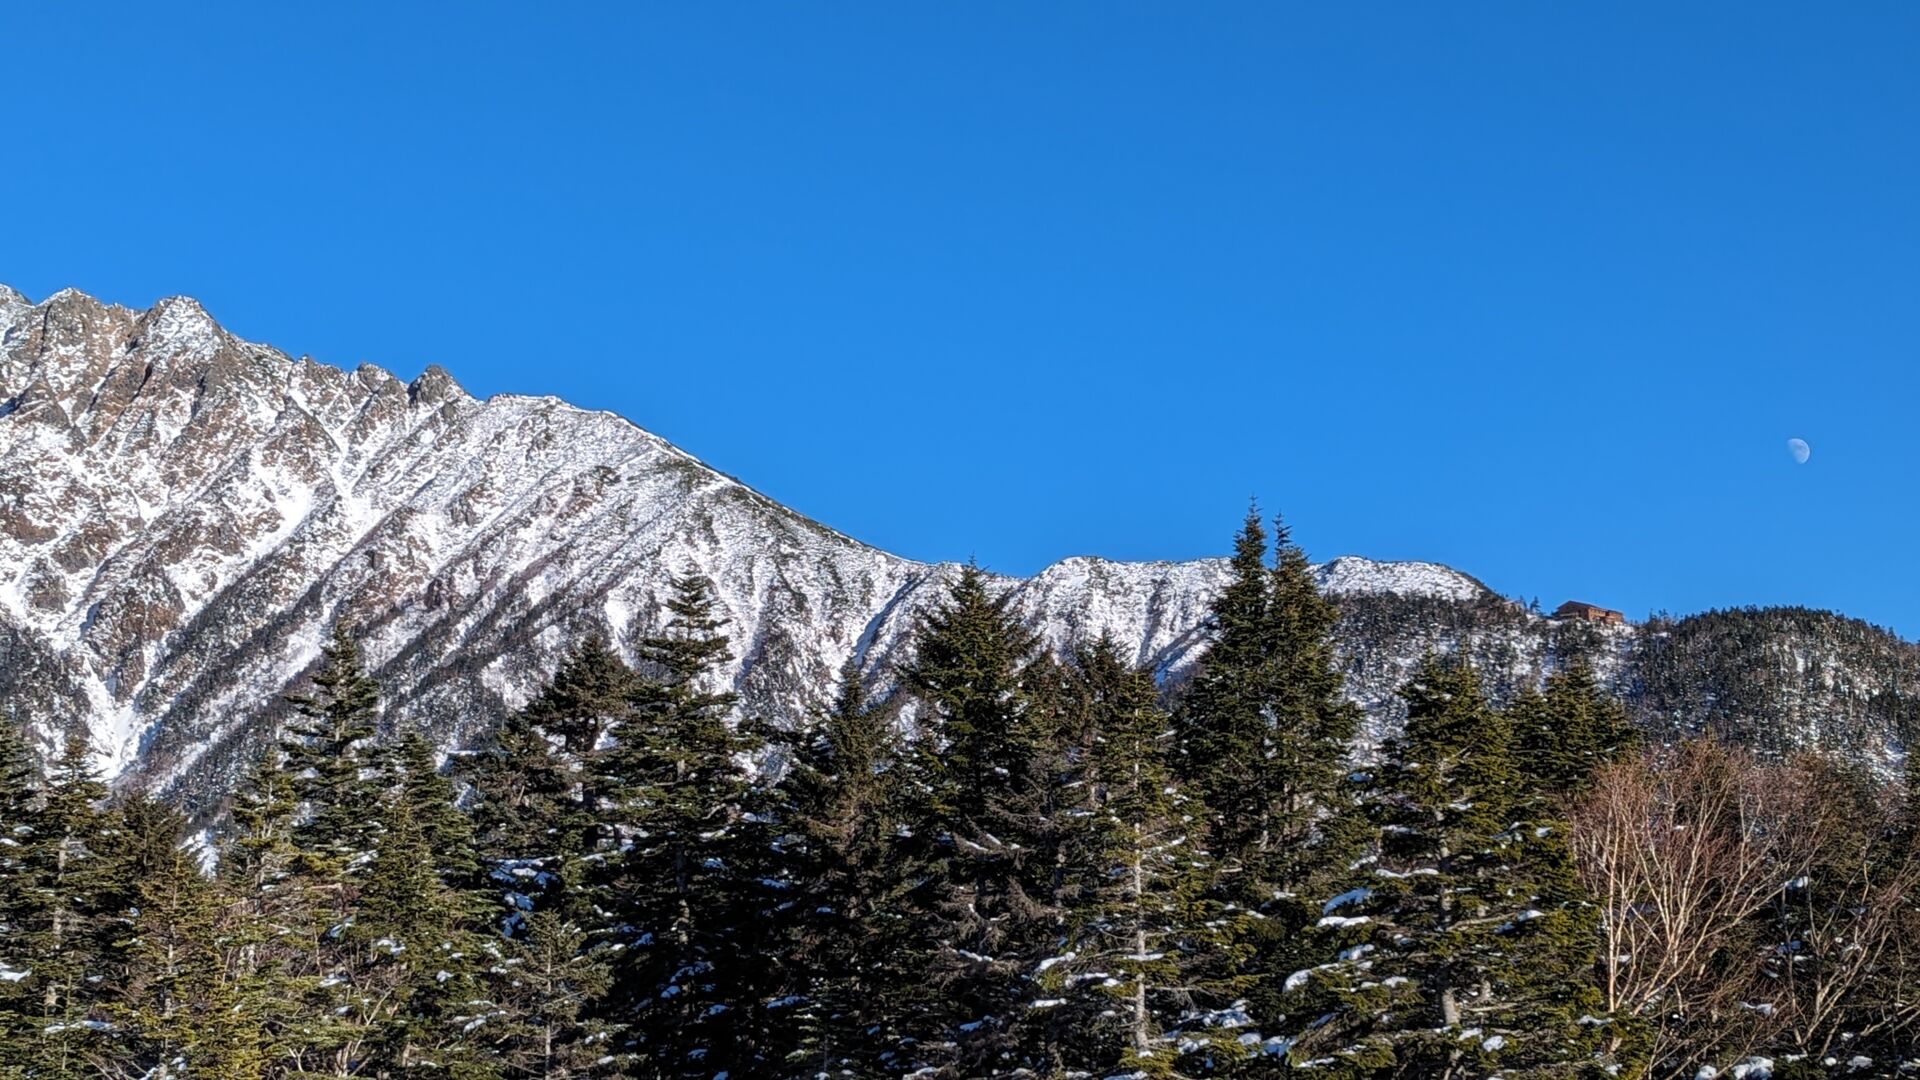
x=1016 y=866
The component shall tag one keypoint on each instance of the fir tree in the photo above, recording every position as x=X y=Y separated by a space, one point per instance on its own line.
x=338 y=779
x=327 y=746
x=1263 y=735
x=1119 y=987
x=545 y=794
x=843 y=953
x=445 y=830
x=272 y=932
x=19 y=823
x=979 y=779
x=1566 y=731
x=418 y=950
x=1466 y=948
x=684 y=894
x=69 y=927
x=543 y=988
x=178 y=1005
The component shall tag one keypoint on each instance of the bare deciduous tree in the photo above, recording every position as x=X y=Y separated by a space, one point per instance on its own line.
x=1683 y=849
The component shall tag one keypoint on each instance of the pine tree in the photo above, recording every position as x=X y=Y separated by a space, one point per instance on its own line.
x=177 y=1005
x=274 y=936
x=979 y=775
x=1118 y=988
x=542 y=798
x=419 y=951
x=19 y=823
x=841 y=927
x=684 y=894
x=544 y=988
x=431 y=801
x=327 y=746
x=338 y=779
x=69 y=926
x=1466 y=949
x=1566 y=731
x=1262 y=738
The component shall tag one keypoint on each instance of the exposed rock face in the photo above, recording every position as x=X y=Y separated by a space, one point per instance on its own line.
x=183 y=515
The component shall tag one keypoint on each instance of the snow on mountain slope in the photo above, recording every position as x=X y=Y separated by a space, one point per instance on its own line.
x=184 y=514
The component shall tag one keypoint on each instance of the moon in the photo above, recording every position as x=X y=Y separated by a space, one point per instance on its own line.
x=1800 y=450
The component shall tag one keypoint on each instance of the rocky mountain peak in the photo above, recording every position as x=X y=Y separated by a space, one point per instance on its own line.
x=184 y=516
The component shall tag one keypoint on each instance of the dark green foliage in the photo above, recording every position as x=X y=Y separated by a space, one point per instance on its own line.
x=1262 y=738
x=1119 y=986
x=1465 y=946
x=1017 y=865
x=1565 y=731
x=414 y=951
x=1766 y=678
x=844 y=956
x=686 y=915
x=327 y=744
x=177 y=1004
x=546 y=792
x=19 y=820
x=70 y=920
x=980 y=778
x=543 y=990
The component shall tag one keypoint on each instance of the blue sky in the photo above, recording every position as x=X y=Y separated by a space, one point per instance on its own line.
x=1537 y=292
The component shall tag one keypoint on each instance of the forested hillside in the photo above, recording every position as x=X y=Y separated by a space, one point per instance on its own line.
x=1018 y=865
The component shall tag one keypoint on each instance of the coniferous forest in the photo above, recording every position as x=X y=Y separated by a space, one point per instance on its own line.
x=1017 y=865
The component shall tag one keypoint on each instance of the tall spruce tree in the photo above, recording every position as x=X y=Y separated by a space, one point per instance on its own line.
x=1262 y=740
x=1463 y=951
x=977 y=778
x=1566 y=730
x=179 y=1008
x=19 y=822
x=339 y=779
x=543 y=991
x=546 y=792
x=328 y=747
x=842 y=929
x=685 y=892
x=1117 y=991
x=419 y=949
x=272 y=927
x=70 y=925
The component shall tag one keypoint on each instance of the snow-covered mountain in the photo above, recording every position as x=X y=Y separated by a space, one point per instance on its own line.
x=184 y=515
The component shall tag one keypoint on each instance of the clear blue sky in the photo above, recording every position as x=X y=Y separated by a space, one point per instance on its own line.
x=1536 y=292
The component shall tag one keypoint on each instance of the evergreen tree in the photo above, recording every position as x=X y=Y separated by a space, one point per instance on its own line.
x=19 y=823
x=544 y=791
x=328 y=746
x=338 y=779
x=178 y=1006
x=1262 y=738
x=272 y=932
x=684 y=894
x=543 y=989
x=980 y=778
x=431 y=802
x=1466 y=950
x=842 y=927
x=69 y=926
x=1118 y=989
x=419 y=954
x=1564 y=732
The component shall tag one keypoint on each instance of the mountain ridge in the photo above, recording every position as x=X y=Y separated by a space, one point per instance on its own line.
x=188 y=510
x=184 y=514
